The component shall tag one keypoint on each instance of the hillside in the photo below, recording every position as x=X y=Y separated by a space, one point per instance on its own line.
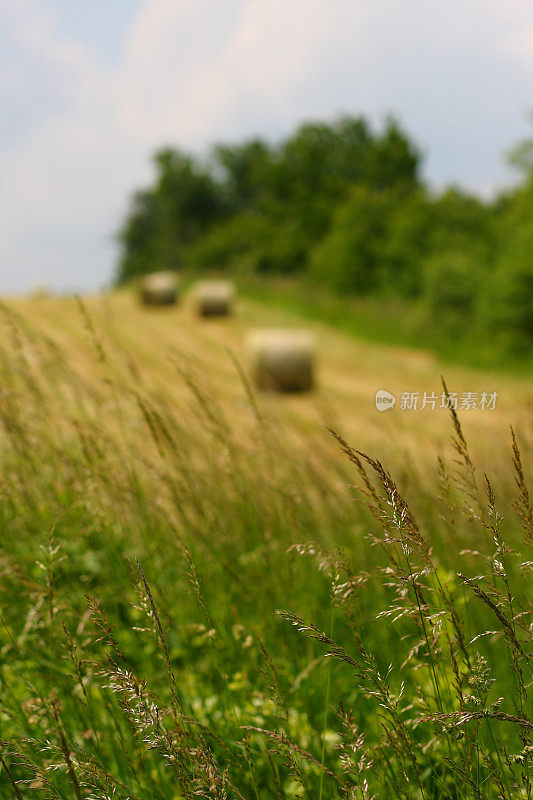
x=349 y=372
x=195 y=605
x=342 y=209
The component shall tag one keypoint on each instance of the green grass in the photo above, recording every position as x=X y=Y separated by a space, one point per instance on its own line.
x=389 y=320
x=173 y=577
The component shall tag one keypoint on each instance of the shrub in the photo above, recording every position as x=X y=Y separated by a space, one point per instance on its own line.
x=507 y=300
x=451 y=284
x=349 y=258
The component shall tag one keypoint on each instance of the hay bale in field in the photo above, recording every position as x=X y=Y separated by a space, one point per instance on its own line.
x=159 y=289
x=213 y=298
x=282 y=360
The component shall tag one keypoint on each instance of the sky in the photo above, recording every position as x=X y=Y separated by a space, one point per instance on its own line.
x=88 y=91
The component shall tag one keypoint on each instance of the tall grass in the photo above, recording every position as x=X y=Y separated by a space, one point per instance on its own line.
x=194 y=605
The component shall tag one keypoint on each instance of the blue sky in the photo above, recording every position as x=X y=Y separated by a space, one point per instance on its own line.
x=89 y=90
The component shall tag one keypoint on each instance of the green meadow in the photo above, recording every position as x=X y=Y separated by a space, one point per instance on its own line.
x=212 y=592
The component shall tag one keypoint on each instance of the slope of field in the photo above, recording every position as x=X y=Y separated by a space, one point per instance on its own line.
x=179 y=555
x=349 y=372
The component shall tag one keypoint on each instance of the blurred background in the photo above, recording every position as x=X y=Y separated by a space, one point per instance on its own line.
x=357 y=148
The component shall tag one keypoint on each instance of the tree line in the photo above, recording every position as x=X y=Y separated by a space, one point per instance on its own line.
x=343 y=206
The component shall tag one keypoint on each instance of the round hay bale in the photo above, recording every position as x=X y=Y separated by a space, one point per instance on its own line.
x=213 y=298
x=159 y=289
x=282 y=360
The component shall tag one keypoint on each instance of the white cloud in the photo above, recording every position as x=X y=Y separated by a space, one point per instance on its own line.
x=196 y=71
x=64 y=180
x=193 y=69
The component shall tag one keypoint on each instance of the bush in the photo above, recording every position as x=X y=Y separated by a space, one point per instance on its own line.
x=406 y=244
x=250 y=238
x=507 y=301
x=451 y=284
x=222 y=246
x=349 y=257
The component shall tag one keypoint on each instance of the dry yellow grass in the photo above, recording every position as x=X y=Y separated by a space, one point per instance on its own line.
x=348 y=375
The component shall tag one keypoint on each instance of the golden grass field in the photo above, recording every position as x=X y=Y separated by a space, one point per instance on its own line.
x=161 y=341
x=180 y=554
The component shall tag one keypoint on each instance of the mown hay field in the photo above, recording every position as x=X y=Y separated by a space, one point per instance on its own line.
x=348 y=375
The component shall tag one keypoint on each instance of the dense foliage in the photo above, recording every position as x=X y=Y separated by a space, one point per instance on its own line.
x=343 y=208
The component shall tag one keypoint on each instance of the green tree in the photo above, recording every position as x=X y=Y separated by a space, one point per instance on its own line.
x=393 y=160
x=463 y=222
x=246 y=173
x=138 y=237
x=349 y=258
x=184 y=202
x=451 y=285
x=406 y=242
x=507 y=299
